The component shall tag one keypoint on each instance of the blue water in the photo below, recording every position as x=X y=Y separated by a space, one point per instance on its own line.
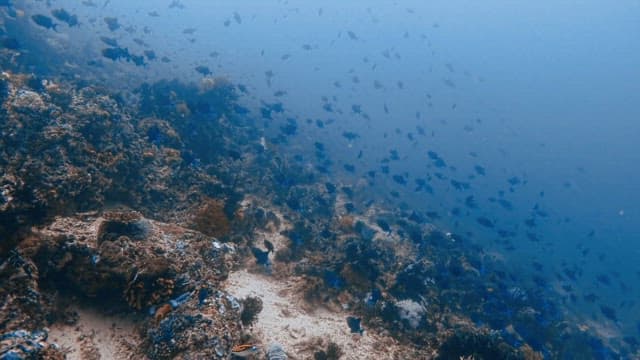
x=531 y=108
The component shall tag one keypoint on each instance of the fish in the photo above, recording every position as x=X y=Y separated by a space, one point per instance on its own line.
x=609 y=313
x=153 y=14
x=150 y=54
x=189 y=31
x=64 y=16
x=349 y=135
x=262 y=257
x=204 y=70
x=436 y=159
x=352 y=35
x=112 y=23
x=355 y=325
x=10 y=43
x=237 y=17
x=383 y=225
x=44 y=21
x=109 y=41
x=485 y=222
x=459 y=185
x=116 y=53
x=176 y=4
x=269 y=245
x=400 y=179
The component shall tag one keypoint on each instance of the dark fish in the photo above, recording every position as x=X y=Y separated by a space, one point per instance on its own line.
x=470 y=202
x=237 y=17
x=531 y=223
x=109 y=41
x=514 y=181
x=290 y=128
x=352 y=35
x=449 y=83
x=140 y=42
x=608 y=312
x=350 y=168
x=150 y=54
x=176 y=4
x=459 y=185
x=330 y=187
x=604 y=279
x=204 y=70
x=116 y=53
x=505 y=204
x=189 y=31
x=165 y=59
x=400 y=179
x=153 y=14
x=262 y=257
x=269 y=245
x=10 y=43
x=437 y=160
x=485 y=222
x=44 y=21
x=433 y=215
x=479 y=170
x=350 y=135
x=383 y=225
x=138 y=60
x=354 y=325
x=112 y=23
x=64 y=16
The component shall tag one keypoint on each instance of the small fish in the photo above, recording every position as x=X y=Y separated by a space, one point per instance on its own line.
x=269 y=245
x=109 y=41
x=204 y=70
x=10 y=43
x=44 y=21
x=64 y=16
x=237 y=18
x=176 y=4
x=354 y=325
x=189 y=31
x=244 y=350
x=112 y=23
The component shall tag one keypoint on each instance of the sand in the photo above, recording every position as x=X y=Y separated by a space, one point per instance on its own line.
x=96 y=336
x=285 y=321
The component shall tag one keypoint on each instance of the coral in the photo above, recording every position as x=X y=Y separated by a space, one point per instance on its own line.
x=210 y=218
x=251 y=307
x=463 y=343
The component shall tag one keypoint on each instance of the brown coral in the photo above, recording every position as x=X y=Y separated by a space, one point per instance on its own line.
x=211 y=220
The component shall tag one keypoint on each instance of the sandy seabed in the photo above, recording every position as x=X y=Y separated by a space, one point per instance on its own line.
x=286 y=320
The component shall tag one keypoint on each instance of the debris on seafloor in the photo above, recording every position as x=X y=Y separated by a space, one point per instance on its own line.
x=276 y=352
x=245 y=350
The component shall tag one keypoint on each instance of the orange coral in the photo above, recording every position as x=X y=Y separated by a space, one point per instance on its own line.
x=162 y=312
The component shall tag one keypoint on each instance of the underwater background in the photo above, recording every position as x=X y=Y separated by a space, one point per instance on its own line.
x=511 y=127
